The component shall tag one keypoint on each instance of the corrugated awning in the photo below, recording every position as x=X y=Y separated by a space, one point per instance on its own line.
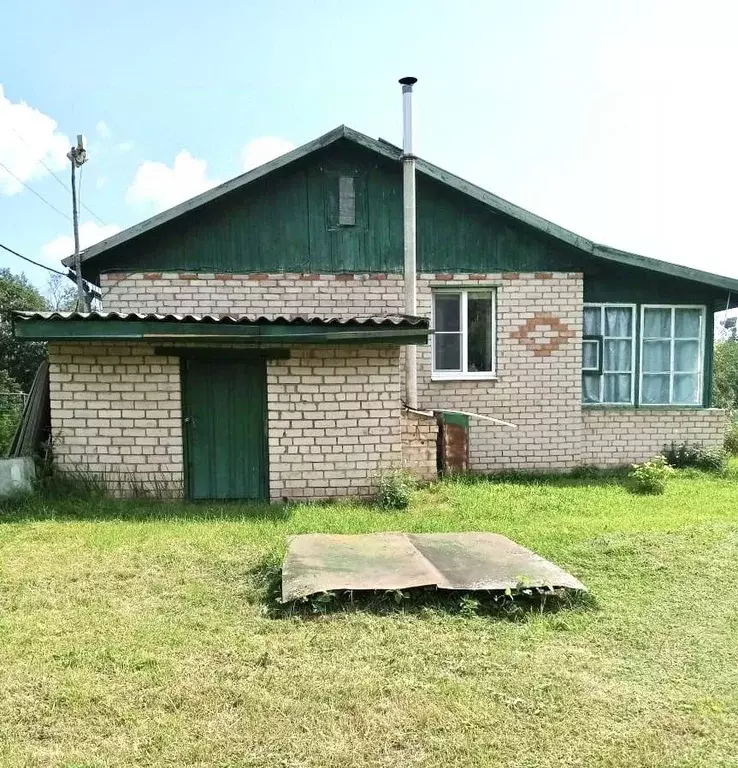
x=254 y=329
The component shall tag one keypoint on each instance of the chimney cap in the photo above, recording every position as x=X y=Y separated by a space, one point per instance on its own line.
x=408 y=80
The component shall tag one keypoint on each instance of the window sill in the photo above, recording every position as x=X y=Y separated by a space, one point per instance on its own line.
x=649 y=406
x=464 y=376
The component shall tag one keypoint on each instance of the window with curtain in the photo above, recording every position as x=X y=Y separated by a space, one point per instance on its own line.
x=464 y=334
x=607 y=353
x=671 y=355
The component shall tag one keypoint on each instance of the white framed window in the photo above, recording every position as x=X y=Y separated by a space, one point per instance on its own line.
x=608 y=354
x=592 y=354
x=465 y=327
x=672 y=353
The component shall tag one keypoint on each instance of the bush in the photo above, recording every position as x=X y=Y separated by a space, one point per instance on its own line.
x=395 y=489
x=686 y=456
x=651 y=476
x=731 y=438
x=9 y=419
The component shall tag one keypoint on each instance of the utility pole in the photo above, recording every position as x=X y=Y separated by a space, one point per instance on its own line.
x=77 y=156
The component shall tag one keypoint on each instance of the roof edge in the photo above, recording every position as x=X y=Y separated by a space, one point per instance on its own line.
x=432 y=171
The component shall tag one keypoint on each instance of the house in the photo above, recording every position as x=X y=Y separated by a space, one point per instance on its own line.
x=255 y=340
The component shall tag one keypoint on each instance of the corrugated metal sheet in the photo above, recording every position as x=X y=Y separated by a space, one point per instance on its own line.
x=35 y=419
x=395 y=321
x=321 y=562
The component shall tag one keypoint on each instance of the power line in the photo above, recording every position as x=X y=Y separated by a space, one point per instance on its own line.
x=55 y=175
x=43 y=266
x=31 y=261
x=30 y=189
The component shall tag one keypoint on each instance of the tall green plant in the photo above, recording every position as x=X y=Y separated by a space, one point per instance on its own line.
x=725 y=375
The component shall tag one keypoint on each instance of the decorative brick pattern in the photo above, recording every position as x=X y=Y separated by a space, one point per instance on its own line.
x=542 y=344
x=335 y=421
x=116 y=413
x=619 y=436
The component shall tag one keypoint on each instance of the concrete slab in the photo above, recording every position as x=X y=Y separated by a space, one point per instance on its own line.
x=319 y=562
x=16 y=476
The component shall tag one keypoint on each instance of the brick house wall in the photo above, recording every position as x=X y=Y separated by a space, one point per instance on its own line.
x=334 y=417
x=537 y=389
x=116 y=412
x=537 y=386
x=619 y=436
x=538 y=381
x=335 y=421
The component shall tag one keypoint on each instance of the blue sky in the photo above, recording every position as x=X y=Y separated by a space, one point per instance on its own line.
x=614 y=119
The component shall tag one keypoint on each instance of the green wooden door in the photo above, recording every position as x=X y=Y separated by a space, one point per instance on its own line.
x=224 y=410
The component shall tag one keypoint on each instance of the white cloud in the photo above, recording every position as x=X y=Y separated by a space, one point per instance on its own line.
x=262 y=150
x=28 y=137
x=89 y=234
x=165 y=186
x=103 y=130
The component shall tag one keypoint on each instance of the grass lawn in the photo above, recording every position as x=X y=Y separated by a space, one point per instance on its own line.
x=140 y=634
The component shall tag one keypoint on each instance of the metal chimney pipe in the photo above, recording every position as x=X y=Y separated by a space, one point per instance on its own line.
x=409 y=235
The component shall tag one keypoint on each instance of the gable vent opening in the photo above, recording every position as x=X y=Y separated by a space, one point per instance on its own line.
x=346 y=201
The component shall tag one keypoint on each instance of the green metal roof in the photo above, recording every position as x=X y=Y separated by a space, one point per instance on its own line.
x=250 y=329
x=434 y=172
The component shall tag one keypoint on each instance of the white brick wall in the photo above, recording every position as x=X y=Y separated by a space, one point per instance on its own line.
x=116 y=412
x=334 y=413
x=254 y=294
x=419 y=435
x=619 y=436
x=539 y=393
x=334 y=421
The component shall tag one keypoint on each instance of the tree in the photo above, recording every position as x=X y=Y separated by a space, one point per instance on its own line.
x=725 y=374
x=61 y=293
x=20 y=359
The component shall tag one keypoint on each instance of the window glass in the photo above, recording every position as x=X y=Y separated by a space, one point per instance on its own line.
x=618 y=322
x=591 y=387
x=616 y=387
x=656 y=356
x=671 y=358
x=479 y=313
x=592 y=317
x=657 y=324
x=616 y=325
x=688 y=324
x=655 y=388
x=448 y=312
x=590 y=353
x=618 y=355
x=464 y=332
x=448 y=351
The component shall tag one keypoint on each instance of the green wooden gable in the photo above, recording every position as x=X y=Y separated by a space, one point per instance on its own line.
x=285 y=217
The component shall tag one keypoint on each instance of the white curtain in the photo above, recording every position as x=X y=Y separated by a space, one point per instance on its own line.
x=591 y=387
x=672 y=348
x=615 y=325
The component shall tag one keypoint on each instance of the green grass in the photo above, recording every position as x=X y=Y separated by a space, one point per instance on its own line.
x=141 y=634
